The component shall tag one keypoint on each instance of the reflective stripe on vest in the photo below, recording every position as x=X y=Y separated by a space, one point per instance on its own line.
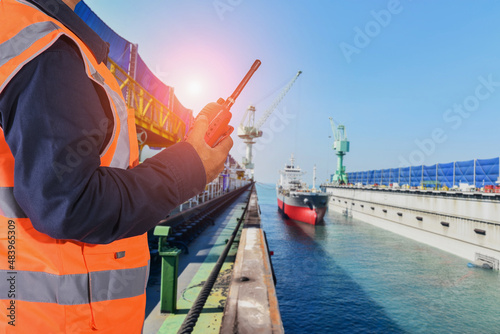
x=122 y=153
x=24 y=39
x=8 y=204
x=53 y=274
x=40 y=287
x=121 y=157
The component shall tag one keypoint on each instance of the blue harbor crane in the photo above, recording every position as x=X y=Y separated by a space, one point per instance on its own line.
x=341 y=145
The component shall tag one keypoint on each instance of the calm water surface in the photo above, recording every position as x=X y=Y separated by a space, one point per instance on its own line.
x=347 y=276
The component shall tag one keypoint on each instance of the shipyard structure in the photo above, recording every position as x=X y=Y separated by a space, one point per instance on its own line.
x=454 y=207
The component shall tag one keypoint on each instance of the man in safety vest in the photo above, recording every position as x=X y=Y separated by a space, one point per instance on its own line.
x=73 y=212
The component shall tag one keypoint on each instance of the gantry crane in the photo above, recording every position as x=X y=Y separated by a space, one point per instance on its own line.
x=248 y=130
x=341 y=145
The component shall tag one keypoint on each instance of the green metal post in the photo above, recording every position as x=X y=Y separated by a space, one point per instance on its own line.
x=169 y=267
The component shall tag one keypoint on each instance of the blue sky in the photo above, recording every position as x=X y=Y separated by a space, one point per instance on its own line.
x=414 y=82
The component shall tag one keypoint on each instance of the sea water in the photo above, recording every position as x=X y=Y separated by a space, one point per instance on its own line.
x=347 y=276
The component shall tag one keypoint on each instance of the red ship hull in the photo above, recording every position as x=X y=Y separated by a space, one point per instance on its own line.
x=302 y=213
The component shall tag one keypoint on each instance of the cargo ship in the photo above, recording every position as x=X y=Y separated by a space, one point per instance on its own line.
x=295 y=200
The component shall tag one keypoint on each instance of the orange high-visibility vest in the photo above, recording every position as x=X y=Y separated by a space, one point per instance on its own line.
x=64 y=286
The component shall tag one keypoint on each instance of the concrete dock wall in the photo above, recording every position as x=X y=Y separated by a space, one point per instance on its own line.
x=467 y=225
x=252 y=303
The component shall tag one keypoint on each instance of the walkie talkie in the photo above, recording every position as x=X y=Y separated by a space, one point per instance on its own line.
x=219 y=127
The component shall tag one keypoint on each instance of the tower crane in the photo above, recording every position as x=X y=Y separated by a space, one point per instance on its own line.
x=248 y=129
x=341 y=145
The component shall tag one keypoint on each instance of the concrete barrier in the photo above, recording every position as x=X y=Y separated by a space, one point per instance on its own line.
x=467 y=226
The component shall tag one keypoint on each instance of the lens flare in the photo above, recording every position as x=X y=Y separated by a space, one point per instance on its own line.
x=194 y=88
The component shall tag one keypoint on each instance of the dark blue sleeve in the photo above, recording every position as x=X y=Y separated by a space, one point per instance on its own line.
x=47 y=112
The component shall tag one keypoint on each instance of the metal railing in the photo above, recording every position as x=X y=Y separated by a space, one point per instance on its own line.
x=150 y=113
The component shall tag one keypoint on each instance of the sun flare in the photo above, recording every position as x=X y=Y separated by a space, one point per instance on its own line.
x=194 y=88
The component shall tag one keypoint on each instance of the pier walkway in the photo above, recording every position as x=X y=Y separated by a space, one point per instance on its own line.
x=243 y=298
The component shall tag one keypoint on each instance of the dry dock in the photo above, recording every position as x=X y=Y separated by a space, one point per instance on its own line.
x=466 y=224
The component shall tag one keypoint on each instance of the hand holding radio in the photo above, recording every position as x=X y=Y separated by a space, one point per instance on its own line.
x=211 y=127
x=219 y=127
x=212 y=158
